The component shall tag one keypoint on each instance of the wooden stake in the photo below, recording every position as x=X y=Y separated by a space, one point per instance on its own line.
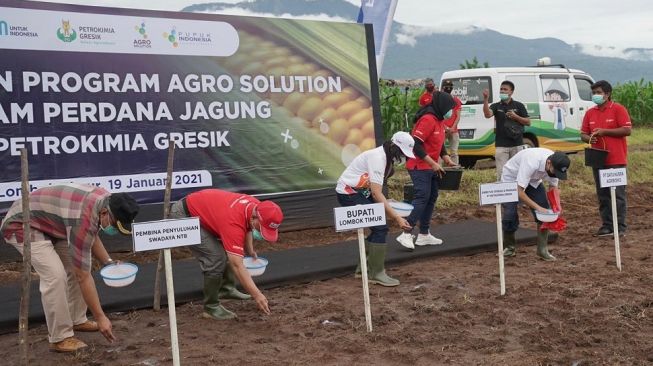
x=166 y=213
x=366 y=288
x=615 y=226
x=23 y=329
x=502 y=276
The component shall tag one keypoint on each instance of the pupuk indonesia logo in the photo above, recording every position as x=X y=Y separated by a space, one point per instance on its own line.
x=172 y=37
x=66 y=33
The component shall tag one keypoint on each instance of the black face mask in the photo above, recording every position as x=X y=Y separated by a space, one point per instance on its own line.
x=447 y=90
x=430 y=88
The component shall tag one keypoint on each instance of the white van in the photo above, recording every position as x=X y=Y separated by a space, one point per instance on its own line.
x=555 y=96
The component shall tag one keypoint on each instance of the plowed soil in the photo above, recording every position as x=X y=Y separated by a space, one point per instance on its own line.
x=578 y=310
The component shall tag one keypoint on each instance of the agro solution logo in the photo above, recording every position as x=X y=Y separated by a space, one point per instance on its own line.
x=143 y=41
x=66 y=33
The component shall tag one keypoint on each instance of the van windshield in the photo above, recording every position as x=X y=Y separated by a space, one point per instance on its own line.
x=470 y=90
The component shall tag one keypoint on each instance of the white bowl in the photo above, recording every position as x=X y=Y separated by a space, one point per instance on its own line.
x=403 y=209
x=255 y=267
x=547 y=217
x=119 y=275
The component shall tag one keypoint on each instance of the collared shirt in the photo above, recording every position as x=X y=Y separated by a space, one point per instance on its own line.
x=430 y=131
x=528 y=167
x=366 y=168
x=224 y=214
x=499 y=110
x=67 y=211
x=612 y=115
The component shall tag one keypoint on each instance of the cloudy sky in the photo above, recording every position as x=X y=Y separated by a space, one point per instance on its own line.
x=607 y=23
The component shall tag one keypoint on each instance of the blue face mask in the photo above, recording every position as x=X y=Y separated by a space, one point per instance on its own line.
x=109 y=230
x=598 y=99
x=504 y=97
x=448 y=114
x=257 y=235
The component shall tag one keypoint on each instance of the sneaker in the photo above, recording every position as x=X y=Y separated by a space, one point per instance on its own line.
x=406 y=239
x=427 y=239
x=604 y=231
x=87 y=326
x=70 y=344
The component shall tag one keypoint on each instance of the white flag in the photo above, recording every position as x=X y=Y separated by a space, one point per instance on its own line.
x=380 y=13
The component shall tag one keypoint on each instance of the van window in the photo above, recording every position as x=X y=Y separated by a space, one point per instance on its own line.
x=525 y=88
x=555 y=88
x=584 y=87
x=470 y=90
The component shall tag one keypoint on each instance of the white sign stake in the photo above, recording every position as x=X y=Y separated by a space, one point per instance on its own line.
x=359 y=217
x=366 y=286
x=498 y=193
x=613 y=178
x=166 y=234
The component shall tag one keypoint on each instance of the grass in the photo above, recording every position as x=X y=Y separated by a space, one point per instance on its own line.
x=580 y=182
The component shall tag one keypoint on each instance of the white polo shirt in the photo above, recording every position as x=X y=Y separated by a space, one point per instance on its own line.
x=366 y=168
x=528 y=167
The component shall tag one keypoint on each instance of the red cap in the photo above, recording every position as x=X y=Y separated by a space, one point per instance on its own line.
x=270 y=216
x=425 y=99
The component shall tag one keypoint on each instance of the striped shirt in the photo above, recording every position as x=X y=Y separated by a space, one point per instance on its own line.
x=68 y=211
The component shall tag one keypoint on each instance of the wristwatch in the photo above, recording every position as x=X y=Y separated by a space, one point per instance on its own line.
x=109 y=261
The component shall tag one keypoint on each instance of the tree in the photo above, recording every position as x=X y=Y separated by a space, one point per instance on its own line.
x=474 y=64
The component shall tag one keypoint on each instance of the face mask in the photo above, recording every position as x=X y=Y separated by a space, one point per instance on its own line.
x=430 y=88
x=504 y=97
x=109 y=230
x=257 y=235
x=598 y=99
x=448 y=114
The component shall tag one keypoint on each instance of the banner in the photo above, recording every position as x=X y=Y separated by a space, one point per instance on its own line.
x=380 y=14
x=255 y=105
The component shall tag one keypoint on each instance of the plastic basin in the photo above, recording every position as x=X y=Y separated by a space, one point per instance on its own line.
x=547 y=217
x=255 y=267
x=450 y=181
x=119 y=275
x=403 y=209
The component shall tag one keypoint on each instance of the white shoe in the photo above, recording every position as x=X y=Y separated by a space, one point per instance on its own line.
x=406 y=239
x=427 y=239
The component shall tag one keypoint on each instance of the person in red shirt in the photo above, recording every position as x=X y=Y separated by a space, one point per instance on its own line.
x=424 y=170
x=451 y=124
x=229 y=222
x=427 y=97
x=606 y=126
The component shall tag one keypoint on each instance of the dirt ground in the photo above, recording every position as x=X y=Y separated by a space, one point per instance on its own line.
x=579 y=310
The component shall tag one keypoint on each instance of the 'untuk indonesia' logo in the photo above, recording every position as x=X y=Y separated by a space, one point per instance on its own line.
x=66 y=33
x=4 y=28
x=171 y=37
x=141 y=30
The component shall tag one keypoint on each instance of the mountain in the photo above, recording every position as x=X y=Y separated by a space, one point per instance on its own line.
x=418 y=52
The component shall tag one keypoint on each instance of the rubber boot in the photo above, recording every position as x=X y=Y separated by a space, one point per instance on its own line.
x=376 y=266
x=228 y=289
x=357 y=273
x=212 y=307
x=509 y=244
x=542 y=245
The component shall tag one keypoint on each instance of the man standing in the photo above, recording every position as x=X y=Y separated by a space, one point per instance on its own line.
x=427 y=96
x=229 y=222
x=606 y=126
x=65 y=221
x=529 y=168
x=510 y=117
x=451 y=124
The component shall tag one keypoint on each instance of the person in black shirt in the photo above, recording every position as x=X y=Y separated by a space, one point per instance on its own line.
x=510 y=117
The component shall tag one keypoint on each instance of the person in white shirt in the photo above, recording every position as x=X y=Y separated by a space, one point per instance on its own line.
x=362 y=182
x=529 y=168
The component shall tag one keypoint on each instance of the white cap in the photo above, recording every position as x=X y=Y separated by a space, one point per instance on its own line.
x=405 y=142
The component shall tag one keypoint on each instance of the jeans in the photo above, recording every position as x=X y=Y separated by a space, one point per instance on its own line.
x=425 y=190
x=378 y=233
x=510 y=221
x=605 y=202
